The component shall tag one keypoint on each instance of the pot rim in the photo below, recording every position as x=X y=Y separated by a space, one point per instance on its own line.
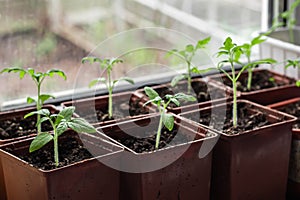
x=289 y=118
x=31 y=167
x=203 y=138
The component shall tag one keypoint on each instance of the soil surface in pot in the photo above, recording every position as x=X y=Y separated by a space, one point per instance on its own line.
x=147 y=144
x=18 y=127
x=70 y=151
x=248 y=119
x=200 y=91
x=121 y=110
x=261 y=80
x=293 y=109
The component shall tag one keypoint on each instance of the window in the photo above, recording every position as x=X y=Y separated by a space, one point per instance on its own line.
x=45 y=34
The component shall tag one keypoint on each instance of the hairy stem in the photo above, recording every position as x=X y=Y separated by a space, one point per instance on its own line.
x=250 y=74
x=55 y=140
x=234 y=109
x=189 y=78
x=110 y=89
x=39 y=107
x=159 y=126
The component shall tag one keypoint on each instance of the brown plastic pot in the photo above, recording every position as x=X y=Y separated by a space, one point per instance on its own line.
x=9 y=115
x=252 y=164
x=217 y=94
x=293 y=186
x=88 y=106
x=87 y=179
x=263 y=96
x=174 y=172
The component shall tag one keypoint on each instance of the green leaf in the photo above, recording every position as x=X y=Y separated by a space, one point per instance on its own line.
x=96 y=81
x=61 y=128
x=57 y=118
x=19 y=70
x=91 y=60
x=189 y=48
x=156 y=100
x=30 y=100
x=228 y=45
x=114 y=61
x=67 y=112
x=220 y=53
x=44 y=112
x=80 y=125
x=182 y=96
x=127 y=79
x=45 y=97
x=298 y=83
x=151 y=93
x=39 y=141
x=202 y=71
x=293 y=63
x=175 y=101
x=202 y=43
x=57 y=72
x=257 y=40
x=30 y=71
x=41 y=120
x=168 y=121
x=178 y=78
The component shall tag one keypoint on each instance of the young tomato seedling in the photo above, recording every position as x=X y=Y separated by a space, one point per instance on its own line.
x=165 y=118
x=233 y=53
x=188 y=53
x=294 y=63
x=247 y=51
x=107 y=64
x=60 y=123
x=38 y=78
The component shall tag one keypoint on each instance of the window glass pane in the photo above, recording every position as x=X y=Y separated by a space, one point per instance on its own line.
x=46 y=34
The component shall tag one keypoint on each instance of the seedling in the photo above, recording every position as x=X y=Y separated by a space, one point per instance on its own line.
x=289 y=17
x=60 y=123
x=165 y=118
x=247 y=51
x=233 y=53
x=296 y=64
x=188 y=53
x=38 y=78
x=107 y=64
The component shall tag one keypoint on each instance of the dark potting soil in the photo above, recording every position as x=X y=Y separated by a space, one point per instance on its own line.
x=200 y=91
x=248 y=119
x=260 y=80
x=134 y=108
x=147 y=144
x=293 y=109
x=18 y=126
x=70 y=151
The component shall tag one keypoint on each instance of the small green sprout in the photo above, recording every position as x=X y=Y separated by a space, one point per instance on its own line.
x=107 y=64
x=247 y=51
x=294 y=63
x=60 y=123
x=165 y=118
x=188 y=53
x=38 y=78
